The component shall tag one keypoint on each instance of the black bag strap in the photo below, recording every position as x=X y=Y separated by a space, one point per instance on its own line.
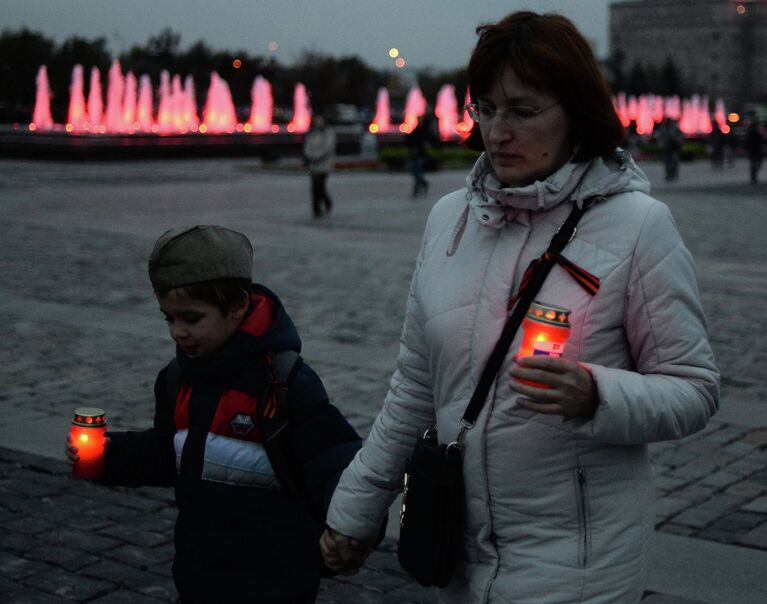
x=562 y=237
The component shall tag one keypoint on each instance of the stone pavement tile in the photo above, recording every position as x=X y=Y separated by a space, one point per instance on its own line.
x=123 y=596
x=130 y=534
x=720 y=479
x=59 y=582
x=697 y=517
x=32 y=596
x=757 y=505
x=16 y=567
x=757 y=437
x=143 y=558
x=756 y=537
x=68 y=558
x=666 y=507
x=747 y=489
x=145 y=582
x=721 y=504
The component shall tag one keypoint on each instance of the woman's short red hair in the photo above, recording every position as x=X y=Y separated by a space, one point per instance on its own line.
x=548 y=52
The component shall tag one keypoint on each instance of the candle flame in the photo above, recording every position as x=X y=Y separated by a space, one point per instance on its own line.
x=84 y=438
x=541 y=337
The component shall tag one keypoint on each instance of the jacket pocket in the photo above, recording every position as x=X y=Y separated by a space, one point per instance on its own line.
x=584 y=516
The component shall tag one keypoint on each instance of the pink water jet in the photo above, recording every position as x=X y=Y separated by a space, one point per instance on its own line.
x=446 y=111
x=219 y=115
x=164 y=108
x=382 y=119
x=129 y=103
x=189 y=104
x=77 y=119
x=415 y=107
x=144 y=106
x=302 y=113
x=41 y=118
x=262 y=106
x=113 y=116
x=95 y=103
x=644 y=120
x=720 y=116
x=465 y=125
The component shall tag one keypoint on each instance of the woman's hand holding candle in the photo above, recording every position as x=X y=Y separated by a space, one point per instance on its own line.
x=571 y=389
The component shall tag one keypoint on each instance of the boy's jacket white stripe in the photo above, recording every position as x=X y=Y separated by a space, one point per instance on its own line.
x=232 y=461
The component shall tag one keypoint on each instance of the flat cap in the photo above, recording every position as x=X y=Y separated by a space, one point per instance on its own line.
x=187 y=255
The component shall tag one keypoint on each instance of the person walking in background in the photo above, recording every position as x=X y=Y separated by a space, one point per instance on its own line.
x=717 y=145
x=754 y=144
x=558 y=490
x=671 y=143
x=418 y=143
x=320 y=157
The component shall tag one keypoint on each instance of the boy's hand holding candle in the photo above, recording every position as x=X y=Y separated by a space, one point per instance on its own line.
x=86 y=442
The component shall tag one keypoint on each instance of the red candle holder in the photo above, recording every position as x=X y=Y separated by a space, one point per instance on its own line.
x=87 y=433
x=546 y=329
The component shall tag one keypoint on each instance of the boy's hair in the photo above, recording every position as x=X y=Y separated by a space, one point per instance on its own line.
x=195 y=255
x=224 y=294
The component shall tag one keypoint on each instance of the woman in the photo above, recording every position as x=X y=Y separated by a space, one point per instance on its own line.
x=558 y=487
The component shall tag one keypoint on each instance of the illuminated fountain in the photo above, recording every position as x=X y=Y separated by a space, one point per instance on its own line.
x=463 y=128
x=77 y=119
x=302 y=114
x=95 y=103
x=446 y=111
x=164 y=113
x=648 y=110
x=415 y=107
x=189 y=105
x=42 y=118
x=113 y=116
x=382 y=119
x=262 y=106
x=129 y=103
x=219 y=115
x=144 y=105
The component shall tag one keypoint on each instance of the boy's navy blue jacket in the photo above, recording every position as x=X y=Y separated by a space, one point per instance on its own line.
x=253 y=480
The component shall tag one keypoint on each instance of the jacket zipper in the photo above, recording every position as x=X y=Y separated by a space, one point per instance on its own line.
x=583 y=512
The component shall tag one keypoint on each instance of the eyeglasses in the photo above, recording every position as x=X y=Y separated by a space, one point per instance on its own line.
x=514 y=115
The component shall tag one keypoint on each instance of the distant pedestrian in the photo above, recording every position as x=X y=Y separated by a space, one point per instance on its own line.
x=754 y=144
x=717 y=145
x=320 y=156
x=671 y=143
x=419 y=141
x=253 y=470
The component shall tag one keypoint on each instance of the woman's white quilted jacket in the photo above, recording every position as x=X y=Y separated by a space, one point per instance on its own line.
x=557 y=511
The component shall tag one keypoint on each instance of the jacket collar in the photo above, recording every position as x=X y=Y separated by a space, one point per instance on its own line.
x=494 y=205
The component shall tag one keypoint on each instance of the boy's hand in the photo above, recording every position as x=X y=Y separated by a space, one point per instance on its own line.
x=71 y=450
x=343 y=554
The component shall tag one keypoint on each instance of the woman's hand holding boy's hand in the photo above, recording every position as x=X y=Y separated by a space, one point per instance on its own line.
x=571 y=393
x=343 y=555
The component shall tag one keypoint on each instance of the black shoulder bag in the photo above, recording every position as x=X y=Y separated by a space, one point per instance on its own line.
x=431 y=518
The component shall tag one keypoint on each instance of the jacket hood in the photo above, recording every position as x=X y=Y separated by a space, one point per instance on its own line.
x=267 y=327
x=495 y=204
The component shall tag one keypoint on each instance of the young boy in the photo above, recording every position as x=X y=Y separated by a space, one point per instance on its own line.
x=253 y=469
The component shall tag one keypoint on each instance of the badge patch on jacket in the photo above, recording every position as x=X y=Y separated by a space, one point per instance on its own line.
x=242 y=424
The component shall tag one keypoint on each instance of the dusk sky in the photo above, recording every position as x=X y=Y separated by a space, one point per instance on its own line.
x=436 y=33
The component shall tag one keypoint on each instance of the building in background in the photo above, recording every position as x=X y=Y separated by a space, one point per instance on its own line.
x=718 y=47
